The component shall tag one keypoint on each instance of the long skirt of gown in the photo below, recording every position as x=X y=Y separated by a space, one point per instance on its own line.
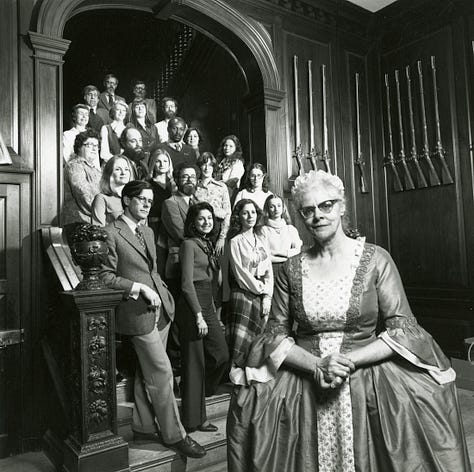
x=403 y=421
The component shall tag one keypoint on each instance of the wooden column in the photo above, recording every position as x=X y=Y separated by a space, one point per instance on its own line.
x=93 y=443
x=277 y=159
x=48 y=61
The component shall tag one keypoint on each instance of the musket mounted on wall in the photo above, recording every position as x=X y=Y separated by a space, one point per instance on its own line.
x=389 y=160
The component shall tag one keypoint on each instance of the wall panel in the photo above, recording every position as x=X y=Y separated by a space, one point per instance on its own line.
x=429 y=221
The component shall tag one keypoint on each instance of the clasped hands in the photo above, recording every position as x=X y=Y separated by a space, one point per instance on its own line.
x=332 y=370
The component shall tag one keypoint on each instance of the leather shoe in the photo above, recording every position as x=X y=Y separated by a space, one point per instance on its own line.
x=188 y=447
x=208 y=428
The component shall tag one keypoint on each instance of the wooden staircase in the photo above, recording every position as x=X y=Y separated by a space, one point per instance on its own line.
x=154 y=457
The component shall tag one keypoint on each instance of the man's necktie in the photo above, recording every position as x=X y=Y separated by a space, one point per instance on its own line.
x=111 y=99
x=140 y=237
x=178 y=147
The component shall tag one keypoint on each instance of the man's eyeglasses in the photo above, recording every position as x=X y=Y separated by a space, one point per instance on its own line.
x=143 y=200
x=186 y=177
x=324 y=207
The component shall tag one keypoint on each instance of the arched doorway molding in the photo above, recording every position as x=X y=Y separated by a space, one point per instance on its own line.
x=53 y=15
x=245 y=38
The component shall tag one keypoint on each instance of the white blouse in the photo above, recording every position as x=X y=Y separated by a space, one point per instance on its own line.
x=251 y=263
x=258 y=197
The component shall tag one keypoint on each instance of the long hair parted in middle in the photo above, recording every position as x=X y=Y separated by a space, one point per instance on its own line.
x=193 y=212
x=235 y=226
x=265 y=181
x=106 y=184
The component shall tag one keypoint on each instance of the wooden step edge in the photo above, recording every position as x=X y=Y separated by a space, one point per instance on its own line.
x=172 y=456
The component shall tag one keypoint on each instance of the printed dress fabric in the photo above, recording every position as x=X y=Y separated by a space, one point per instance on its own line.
x=398 y=415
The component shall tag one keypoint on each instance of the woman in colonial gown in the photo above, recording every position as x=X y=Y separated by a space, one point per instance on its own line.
x=343 y=379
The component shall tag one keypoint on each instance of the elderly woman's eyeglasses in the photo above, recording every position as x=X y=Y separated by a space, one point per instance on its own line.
x=324 y=207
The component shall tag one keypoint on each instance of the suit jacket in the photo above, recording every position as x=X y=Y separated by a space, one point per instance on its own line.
x=173 y=216
x=128 y=262
x=187 y=154
x=104 y=101
x=98 y=119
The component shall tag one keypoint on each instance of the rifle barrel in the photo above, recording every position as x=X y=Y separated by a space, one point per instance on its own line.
x=421 y=180
x=409 y=184
x=397 y=183
x=432 y=175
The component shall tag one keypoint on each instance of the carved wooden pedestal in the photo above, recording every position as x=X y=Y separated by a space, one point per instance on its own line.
x=93 y=444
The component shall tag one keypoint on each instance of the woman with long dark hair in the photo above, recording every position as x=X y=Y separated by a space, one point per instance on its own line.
x=231 y=164
x=141 y=120
x=251 y=283
x=204 y=354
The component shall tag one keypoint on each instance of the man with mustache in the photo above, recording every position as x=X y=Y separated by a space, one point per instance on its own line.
x=108 y=97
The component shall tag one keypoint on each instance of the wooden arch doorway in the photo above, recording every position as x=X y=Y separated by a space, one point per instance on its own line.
x=243 y=37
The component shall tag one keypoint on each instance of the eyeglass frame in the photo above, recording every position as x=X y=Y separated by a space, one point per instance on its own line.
x=320 y=207
x=143 y=199
x=90 y=145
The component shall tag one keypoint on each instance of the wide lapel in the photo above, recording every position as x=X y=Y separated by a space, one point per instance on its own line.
x=128 y=235
x=183 y=207
x=149 y=242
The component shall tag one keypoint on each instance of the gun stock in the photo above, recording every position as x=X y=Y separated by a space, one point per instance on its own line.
x=409 y=185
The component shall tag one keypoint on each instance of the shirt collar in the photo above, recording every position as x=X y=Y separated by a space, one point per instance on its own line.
x=130 y=223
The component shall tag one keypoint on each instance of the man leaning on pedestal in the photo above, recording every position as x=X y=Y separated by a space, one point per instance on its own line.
x=145 y=315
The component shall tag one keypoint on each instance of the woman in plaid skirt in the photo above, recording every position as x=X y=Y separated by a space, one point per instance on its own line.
x=251 y=281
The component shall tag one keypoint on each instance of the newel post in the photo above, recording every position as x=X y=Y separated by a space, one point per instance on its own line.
x=93 y=443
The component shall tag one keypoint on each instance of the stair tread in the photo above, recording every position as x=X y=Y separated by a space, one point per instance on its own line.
x=146 y=454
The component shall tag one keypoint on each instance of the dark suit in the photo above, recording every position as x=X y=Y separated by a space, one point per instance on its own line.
x=98 y=119
x=104 y=101
x=187 y=154
x=128 y=263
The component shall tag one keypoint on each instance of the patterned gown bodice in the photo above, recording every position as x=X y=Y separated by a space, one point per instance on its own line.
x=327 y=302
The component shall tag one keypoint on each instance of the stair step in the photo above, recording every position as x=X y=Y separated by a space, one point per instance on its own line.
x=154 y=457
x=216 y=407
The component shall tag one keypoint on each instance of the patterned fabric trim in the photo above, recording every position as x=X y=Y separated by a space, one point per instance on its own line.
x=353 y=313
x=403 y=322
x=295 y=277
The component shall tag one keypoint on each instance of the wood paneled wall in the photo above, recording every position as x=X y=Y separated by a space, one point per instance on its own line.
x=430 y=230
